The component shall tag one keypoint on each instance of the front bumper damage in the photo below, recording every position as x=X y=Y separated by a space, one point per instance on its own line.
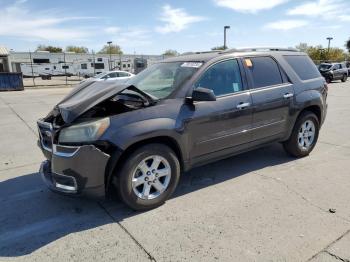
x=73 y=170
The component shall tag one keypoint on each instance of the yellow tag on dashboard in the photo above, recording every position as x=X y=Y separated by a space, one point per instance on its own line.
x=248 y=62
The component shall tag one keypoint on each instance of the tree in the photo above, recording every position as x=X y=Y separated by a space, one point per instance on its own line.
x=218 y=48
x=77 y=49
x=347 y=45
x=51 y=49
x=115 y=49
x=171 y=52
x=319 y=53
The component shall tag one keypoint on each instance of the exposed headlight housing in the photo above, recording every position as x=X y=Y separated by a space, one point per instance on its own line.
x=84 y=132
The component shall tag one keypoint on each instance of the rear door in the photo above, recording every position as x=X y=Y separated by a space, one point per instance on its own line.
x=337 y=72
x=226 y=122
x=272 y=96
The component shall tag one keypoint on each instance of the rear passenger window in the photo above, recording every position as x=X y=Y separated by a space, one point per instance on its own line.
x=223 y=78
x=264 y=71
x=303 y=66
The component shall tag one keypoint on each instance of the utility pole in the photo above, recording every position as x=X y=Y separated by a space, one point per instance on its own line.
x=110 y=55
x=225 y=28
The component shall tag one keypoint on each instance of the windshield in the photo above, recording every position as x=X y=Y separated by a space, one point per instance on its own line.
x=160 y=80
x=324 y=66
x=99 y=75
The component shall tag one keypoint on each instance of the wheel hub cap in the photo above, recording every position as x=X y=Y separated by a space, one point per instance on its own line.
x=306 y=135
x=151 y=177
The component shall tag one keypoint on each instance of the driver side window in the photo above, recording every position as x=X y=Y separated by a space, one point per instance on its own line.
x=223 y=78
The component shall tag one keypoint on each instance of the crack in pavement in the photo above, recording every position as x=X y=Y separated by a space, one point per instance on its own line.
x=329 y=245
x=320 y=208
x=14 y=111
x=335 y=256
x=150 y=257
x=300 y=195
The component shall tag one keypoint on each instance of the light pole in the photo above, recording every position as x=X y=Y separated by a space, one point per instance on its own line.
x=225 y=28
x=329 y=42
x=110 y=54
x=65 y=66
x=31 y=65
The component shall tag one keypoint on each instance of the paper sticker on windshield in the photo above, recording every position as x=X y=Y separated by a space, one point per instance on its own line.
x=192 y=64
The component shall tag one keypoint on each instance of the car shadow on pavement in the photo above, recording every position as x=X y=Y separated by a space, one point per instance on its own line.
x=31 y=217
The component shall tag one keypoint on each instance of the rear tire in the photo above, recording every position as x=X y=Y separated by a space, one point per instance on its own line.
x=328 y=80
x=143 y=184
x=304 y=135
x=345 y=77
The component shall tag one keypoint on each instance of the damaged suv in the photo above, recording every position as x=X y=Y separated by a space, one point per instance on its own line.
x=183 y=112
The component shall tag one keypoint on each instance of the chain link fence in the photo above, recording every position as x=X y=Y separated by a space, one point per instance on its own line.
x=67 y=69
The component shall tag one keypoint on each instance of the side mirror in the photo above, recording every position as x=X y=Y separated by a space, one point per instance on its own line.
x=203 y=94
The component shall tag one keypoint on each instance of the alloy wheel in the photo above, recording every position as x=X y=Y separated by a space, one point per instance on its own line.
x=306 y=135
x=151 y=177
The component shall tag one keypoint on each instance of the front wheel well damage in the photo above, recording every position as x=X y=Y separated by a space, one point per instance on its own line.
x=117 y=159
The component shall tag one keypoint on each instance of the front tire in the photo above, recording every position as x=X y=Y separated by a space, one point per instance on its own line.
x=148 y=177
x=304 y=135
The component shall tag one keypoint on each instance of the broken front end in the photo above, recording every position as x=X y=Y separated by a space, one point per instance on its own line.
x=80 y=160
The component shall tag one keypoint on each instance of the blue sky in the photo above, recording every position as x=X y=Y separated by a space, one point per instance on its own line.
x=152 y=26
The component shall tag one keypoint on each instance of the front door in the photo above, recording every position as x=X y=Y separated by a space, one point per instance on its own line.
x=225 y=123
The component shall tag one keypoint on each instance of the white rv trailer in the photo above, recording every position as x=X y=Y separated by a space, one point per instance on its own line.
x=90 y=68
x=47 y=70
x=82 y=68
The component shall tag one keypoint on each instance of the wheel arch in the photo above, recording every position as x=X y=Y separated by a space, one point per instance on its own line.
x=116 y=162
x=316 y=109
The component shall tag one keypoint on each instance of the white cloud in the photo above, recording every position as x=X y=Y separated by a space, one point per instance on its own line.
x=135 y=37
x=286 y=25
x=326 y=9
x=249 y=6
x=112 y=29
x=18 y=21
x=131 y=37
x=176 y=20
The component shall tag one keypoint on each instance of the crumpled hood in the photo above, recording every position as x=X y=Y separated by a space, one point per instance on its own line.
x=85 y=96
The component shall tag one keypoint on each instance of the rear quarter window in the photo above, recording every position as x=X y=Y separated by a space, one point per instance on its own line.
x=303 y=66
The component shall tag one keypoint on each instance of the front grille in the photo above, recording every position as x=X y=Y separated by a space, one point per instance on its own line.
x=45 y=132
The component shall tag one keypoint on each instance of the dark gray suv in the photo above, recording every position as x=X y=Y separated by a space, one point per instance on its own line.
x=184 y=112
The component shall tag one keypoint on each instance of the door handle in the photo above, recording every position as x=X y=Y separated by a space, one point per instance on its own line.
x=288 y=95
x=242 y=105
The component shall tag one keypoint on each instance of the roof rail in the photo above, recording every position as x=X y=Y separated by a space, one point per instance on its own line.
x=260 y=49
x=200 y=52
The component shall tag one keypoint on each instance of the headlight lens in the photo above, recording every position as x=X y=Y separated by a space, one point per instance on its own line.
x=84 y=132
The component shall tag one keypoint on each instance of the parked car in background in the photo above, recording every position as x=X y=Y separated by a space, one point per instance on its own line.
x=334 y=71
x=183 y=112
x=347 y=63
x=120 y=76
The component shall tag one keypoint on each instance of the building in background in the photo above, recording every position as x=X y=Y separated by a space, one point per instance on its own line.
x=4 y=60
